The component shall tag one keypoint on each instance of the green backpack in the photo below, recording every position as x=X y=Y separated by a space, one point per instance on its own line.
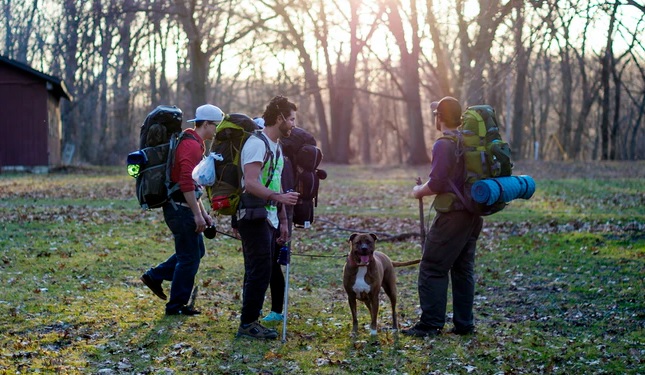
x=485 y=155
x=232 y=133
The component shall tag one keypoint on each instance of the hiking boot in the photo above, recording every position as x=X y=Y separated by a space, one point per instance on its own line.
x=155 y=286
x=421 y=330
x=462 y=331
x=186 y=310
x=273 y=317
x=256 y=330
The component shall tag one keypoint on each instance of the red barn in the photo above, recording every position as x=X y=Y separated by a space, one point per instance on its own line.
x=30 y=119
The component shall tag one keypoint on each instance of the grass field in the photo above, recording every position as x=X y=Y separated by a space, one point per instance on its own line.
x=559 y=281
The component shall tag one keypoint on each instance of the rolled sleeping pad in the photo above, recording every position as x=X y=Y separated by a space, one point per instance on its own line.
x=491 y=190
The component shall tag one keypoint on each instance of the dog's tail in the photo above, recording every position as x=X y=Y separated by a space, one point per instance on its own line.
x=408 y=263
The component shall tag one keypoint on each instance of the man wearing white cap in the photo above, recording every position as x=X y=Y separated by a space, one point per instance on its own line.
x=185 y=216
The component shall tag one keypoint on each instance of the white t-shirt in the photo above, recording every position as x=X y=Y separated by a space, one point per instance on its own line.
x=253 y=152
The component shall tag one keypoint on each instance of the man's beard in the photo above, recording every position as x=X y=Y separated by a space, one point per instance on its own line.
x=285 y=130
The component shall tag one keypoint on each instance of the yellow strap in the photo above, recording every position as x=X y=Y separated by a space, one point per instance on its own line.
x=481 y=125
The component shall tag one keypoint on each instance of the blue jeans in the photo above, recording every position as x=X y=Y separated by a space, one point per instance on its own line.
x=449 y=249
x=257 y=246
x=182 y=266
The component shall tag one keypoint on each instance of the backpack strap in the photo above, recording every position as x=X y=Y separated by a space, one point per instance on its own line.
x=268 y=156
x=457 y=137
x=461 y=197
x=172 y=187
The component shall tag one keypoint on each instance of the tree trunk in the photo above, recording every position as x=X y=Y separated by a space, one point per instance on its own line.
x=364 y=110
x=68 y=48
x=477 y=56
x=199 y=62
x=634 y=149
x=411 y=81
x=443 y=62
x=342 y=89
x=121 y=88
x=311 y=81
x=613 y=154
x=589 y=89
x=566 y=116
x=520 y=86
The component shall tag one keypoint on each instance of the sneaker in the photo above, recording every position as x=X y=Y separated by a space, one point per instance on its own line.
x=421 y=330
x=462 y=331
x=273 y=317
x=155 y=286
x=256 y=330
x=186 y=310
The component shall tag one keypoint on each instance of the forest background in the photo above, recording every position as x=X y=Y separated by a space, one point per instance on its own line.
x=567 y=78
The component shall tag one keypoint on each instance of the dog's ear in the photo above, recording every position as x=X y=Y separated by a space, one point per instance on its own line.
x=374 y=236
x=351 y=238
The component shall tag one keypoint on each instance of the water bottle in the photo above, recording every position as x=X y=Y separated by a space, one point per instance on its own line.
x=135 y=160
x=133 y=170
x=284 y=256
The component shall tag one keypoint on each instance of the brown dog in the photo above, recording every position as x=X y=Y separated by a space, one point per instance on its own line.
x=365 y=272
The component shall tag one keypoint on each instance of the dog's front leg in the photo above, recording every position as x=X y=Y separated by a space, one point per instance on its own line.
x=351 y=297
x=373 y=306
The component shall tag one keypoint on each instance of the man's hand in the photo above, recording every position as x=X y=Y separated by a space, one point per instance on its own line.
x=416 y=191
x=207 y=218
x=290 y=198
x=284 y=235
x=200 y=223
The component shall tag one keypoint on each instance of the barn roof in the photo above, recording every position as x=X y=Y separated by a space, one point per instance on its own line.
x=58 y=86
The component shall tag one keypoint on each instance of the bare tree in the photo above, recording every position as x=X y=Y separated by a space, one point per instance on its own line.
x=409 y=76
x=342 y=86
x=116 y=56
x=210 y=26
x=339 y=68
x=520 y=84
x=130 y=37
x=607 y=67
x=476 y=51
x=589 y=89
x=297 y=36
x=21 y=21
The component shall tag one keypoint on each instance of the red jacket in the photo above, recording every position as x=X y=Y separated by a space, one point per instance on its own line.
x=189 y=153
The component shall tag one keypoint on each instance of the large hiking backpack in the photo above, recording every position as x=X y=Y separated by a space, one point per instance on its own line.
x=485 y=155
x=304 y=158
x=159 y=126
x=230 y=137
x=151 y=165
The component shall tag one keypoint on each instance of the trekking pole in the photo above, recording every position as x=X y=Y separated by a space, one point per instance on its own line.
x=193 y=297
x=284 y=259
x=421 y=223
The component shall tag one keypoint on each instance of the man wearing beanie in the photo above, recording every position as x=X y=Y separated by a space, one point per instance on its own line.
x=449 y=248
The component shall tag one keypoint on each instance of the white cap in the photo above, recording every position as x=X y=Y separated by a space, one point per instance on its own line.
x=259 y=121
x=208 y=112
